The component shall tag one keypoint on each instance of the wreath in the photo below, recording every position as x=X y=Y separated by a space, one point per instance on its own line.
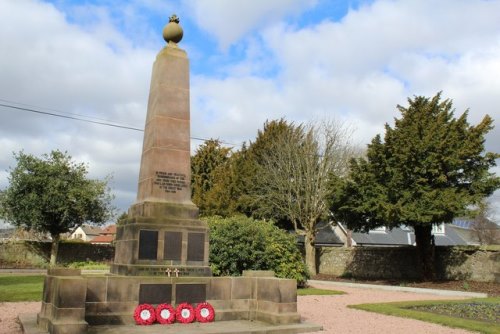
x=185 y=313
x=144 y=314
x=165 y=314
x=204 y=312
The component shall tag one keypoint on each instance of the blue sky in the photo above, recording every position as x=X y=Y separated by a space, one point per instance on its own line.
x=251 y=60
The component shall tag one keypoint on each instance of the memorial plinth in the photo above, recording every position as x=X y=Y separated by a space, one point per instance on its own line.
x=162 y=231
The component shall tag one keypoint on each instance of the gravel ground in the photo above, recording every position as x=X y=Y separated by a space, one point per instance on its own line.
x=9 y=312
x=329 y=311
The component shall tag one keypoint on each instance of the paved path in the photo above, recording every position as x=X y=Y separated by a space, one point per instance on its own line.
x=332 y=312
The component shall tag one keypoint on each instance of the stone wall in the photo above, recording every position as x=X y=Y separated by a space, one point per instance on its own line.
x=472 y=263
x=25 y=254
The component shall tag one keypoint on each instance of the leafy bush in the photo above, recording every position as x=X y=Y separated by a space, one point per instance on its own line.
x=240 y=243
x=88 y=265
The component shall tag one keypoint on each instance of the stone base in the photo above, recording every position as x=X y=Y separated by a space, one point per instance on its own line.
x=63 y=303
x=71 y=302
x=159 y=237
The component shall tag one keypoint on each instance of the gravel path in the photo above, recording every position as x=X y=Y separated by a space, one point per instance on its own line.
x=329 y=311
x=333 y=314
x=9 y=312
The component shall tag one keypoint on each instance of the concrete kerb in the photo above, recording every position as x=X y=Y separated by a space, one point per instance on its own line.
x=450 y=293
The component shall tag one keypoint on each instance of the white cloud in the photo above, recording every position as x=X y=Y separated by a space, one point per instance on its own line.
x=91 y=70
x=229 y=20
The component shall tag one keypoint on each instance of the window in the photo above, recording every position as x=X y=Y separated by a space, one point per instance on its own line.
x=380 y=229
x=438 y=229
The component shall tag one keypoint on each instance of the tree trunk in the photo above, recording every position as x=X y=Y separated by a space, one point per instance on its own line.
x=349 y=238
x=54 y=249
x=425 y=251
x=310 y=254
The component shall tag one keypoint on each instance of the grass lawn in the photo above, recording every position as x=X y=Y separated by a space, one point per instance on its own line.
x=15 y=288
x=467 y=314
x=317 y=292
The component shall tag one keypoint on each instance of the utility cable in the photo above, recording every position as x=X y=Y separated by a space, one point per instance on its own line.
x=102 y=122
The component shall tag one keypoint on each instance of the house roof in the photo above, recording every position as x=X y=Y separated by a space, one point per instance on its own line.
x=103 y=239
x=111 y=229
x=399 y=236
x=91 y=230
x=465 y=223
x=395 y=237
x=450 y=237
x=325 y=235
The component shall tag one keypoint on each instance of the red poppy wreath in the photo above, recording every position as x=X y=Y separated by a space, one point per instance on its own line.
x=165 y=314
x=204 y=312
x=185 y=313
x=144 y=314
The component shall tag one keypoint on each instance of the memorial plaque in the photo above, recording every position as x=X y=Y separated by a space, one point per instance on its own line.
x=173 y=246
x=196 y=246
x=148 y=245
x=155 y=293
x=190 y=293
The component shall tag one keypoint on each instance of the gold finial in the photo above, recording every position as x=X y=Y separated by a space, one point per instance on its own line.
x=172 y=33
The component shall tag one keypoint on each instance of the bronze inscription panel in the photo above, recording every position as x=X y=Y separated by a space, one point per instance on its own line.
x=173 y=246
x=148 y=244
x=155 y=293
x=171 y=182
x=196 y=246
x=190 y=293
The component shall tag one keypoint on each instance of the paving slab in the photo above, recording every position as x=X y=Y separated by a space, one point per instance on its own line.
x=28 y=322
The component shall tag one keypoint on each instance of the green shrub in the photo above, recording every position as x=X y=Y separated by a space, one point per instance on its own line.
x=88 y=265
x=240 y=243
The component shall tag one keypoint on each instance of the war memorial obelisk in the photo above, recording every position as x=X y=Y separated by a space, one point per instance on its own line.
x=162 y=232
x=161 y=250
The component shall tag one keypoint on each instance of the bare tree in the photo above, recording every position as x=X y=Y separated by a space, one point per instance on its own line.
x=294 y=177
x=484 y=229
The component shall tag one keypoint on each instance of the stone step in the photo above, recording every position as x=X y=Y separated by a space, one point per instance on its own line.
x=28 y=322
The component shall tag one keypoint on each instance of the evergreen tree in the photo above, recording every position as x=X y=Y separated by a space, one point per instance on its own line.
x=430 y=168
x=264 y=146
x=208 y=159
x=225 y=198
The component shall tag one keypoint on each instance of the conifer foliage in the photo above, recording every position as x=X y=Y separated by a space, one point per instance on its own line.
x=429 y=168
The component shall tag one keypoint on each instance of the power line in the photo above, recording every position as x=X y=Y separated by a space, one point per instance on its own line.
x=79 y=118
x=51 y=109
x=70 y=117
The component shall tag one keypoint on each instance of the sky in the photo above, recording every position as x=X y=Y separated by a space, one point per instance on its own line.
x=250 y=61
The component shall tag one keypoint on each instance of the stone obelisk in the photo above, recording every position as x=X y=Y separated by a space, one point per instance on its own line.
x=162 y=233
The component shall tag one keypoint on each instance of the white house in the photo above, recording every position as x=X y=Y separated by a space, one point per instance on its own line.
x=85 y=233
